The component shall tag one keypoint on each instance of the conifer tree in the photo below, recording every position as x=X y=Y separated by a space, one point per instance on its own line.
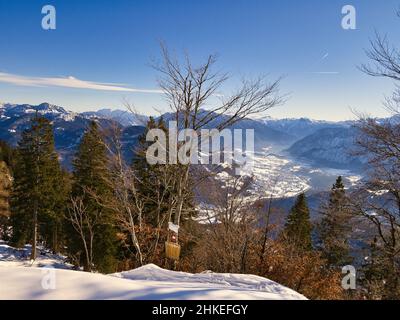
x=6 y=154
x=298 y=225
x=335 y=228
x=372 y=279
x=6 y=161
x=151 y=184
x=5 y=186
x=158 y=183
x=37 y=198
x=90 y=183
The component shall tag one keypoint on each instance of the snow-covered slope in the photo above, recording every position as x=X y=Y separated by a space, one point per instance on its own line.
x=124 y=117
x=49 y=278
x=331 y=147
x=212 y=285
x=12 y=257
x=146 y=283
x=302 y=127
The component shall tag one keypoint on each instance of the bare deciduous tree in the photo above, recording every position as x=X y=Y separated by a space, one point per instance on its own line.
x=126 y=203
x=194 y=98
x=84 y=224
x=379 y=143
x=231 y=222
x=385 y=59
x=378 y=200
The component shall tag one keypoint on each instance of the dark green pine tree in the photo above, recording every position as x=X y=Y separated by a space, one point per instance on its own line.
x=7 y=154
x=158 y=196
x=6 y=162
x=298 y=225
x=38 y=198
x=379 y=275
x=91 y=178
x=335 y=228
x=53 y=224
x=149 y=177
x=372 y=272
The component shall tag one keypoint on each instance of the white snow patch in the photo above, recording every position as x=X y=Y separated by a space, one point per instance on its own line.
x=21 y=281
x=10 y=256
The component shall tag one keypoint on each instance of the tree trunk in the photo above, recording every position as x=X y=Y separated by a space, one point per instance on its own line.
x=34 y=238
x=266 y=231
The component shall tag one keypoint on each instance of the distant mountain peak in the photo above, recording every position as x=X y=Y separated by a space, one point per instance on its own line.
x=124 y=117
x=47 y=107
x=68 y=126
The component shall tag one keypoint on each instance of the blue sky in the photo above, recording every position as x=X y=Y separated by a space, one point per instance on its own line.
x=101 y=47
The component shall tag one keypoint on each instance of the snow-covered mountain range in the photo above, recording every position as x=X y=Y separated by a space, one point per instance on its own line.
x=321 y=142
x=124 y=117
x=68 y=126
x=331 y=147
x=295 y=149
x=302 y=127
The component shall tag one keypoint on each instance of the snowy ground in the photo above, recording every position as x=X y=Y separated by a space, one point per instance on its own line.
x=48 y=278
x=12 y=257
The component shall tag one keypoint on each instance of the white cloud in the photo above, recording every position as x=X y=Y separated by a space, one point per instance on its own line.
x=67 y=82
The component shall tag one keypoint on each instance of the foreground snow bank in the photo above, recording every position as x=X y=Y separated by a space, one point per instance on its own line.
x=49 y=277
x=240 y=286
x=147 y=283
